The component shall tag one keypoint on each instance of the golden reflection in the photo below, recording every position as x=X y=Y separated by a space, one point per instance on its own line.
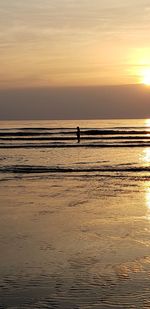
x=146 y=151
x=145 y=76
x=147 y=198
x=147 y=122
x=146 y=159
x=146 y=155
x=147 y=201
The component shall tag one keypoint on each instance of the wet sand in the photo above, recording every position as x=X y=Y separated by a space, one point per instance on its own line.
x=75 y=241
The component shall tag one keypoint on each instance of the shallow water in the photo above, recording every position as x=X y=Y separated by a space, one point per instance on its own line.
x=75 y=223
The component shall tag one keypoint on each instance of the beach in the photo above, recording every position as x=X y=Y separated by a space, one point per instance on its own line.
x=75 y=218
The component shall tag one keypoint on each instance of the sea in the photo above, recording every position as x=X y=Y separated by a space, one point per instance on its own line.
x=75 y=216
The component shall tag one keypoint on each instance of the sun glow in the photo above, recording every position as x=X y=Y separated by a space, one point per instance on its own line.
x=146 y=77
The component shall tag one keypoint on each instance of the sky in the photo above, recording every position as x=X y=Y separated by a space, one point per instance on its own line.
x=72 y=43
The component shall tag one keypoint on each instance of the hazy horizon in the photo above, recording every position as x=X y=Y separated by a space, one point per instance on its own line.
x=127 y=101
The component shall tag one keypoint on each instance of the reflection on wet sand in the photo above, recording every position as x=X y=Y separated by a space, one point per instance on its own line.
x=75 y=240
x=147 y=200
x=146 y=189
x=146 y=155
x=82 y=241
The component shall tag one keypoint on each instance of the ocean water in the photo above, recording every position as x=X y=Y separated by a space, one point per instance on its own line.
x=75 y=217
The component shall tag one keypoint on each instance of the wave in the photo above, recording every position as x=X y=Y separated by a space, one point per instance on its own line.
x=66 y=131
x=71 y=138
x=84 y=145
x=48 y=169
x=116 y=131
x=66 y=137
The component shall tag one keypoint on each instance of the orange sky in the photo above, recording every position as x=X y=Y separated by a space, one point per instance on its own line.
x=73 y=42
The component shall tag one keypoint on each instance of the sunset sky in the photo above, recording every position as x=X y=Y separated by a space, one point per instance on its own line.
x=56 y=43
x=73 y=42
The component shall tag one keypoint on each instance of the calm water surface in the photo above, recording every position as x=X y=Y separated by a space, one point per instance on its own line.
x=75 y=218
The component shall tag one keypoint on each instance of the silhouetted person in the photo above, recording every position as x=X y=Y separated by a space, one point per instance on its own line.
x=78 y=134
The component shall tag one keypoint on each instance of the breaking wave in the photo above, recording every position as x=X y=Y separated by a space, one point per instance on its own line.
x=49 y=169
x=66 y=137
